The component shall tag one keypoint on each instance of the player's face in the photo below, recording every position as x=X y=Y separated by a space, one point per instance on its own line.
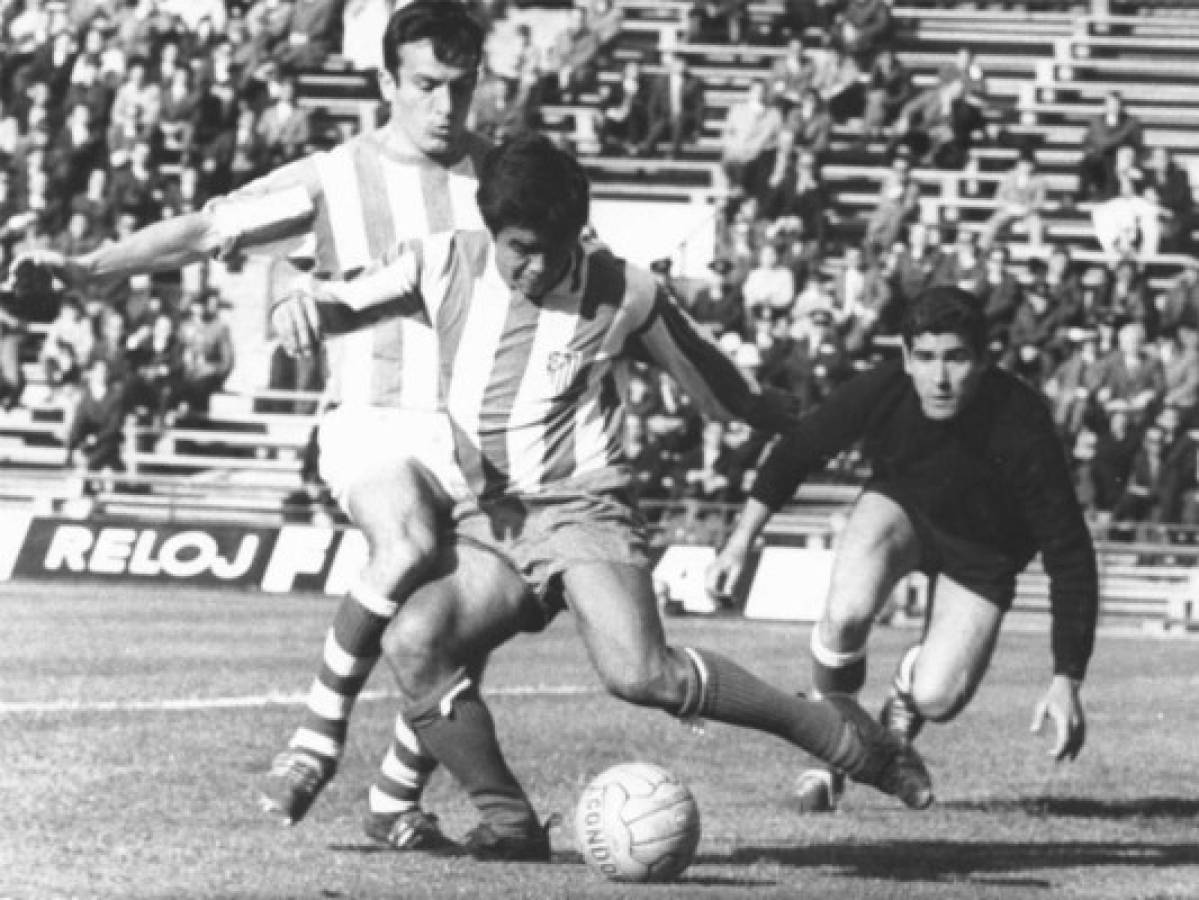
x=531 y=263
x=945 y=371
x=430 y=99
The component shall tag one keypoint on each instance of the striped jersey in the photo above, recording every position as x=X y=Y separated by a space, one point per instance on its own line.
x=364 y=196
x=535 y=389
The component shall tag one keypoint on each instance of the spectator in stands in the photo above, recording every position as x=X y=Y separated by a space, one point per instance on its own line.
x=75 y=151
x=1063 y=285
x=1130 y=375
x=898 y=203
x=706 y=474
x=1002 y=295
x=216 y=115
x=718 y=22
x=570 y=60
x=938 y=126
x=751 y=127
x=803 y=15
x=1035 y=336
x=156 y=372
x=1179 y=355
x=1128 y=223
x=791 y=75
x=863 y=28
x=810 y=124
x=79 y=236
x=314 y=35
x=112 y=343
x=1179 y=484
x=719 y=304
x=1117 y=440
x=963 y=267
x=622 y=118
x=919 y=260
x=835 y=79
x=500 y=109
x=1127 y=298
x=136 y=188
x=97 y=422
x=861 y=294
x=520 y=66
x=1176 y=198
x=1072 y=384
x=67 y=345
x=1020 y=199
x=136 y=106
x=888 y=89
x=1140 y=501
x=770 y=286
x=284 y=129
x=674 y=109
x=207 y=353
x=94 y=202
x=1105 y=135
x=1180 y=301
x=811 y=361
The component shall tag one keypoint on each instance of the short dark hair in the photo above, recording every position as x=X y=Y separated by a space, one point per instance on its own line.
x=946 y=310
x=529 y=183
x=456 y=36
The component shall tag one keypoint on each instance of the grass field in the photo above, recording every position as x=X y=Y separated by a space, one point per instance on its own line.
x=134 y=724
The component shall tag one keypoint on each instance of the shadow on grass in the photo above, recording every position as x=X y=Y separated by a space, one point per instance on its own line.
x=956 y=860
x=1166 y=808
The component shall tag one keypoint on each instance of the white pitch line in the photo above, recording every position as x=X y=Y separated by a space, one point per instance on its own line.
x=253 y=701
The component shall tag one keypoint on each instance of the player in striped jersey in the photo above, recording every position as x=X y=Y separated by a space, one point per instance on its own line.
x=537 y=334
x=333 y=213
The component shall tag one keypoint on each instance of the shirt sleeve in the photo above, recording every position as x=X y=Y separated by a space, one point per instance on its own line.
x=720 y=390
x=393 y=281
x=1044 y=490
x=833 y=426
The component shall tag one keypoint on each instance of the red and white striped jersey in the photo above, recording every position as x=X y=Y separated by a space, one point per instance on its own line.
x=535 y=389
x=367 y=195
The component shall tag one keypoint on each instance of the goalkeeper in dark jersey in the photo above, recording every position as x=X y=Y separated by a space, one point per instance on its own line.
x=969 y=483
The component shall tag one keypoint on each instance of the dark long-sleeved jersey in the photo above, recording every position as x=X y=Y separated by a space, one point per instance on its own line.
x=995 y=474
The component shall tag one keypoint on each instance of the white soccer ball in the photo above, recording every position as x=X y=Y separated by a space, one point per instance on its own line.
x=637 y=822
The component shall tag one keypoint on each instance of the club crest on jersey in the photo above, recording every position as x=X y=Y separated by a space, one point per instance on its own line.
x=562 y=367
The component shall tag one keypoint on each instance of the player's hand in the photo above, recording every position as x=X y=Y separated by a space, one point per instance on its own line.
x=724 y=571
x=298 y=320
x=1062 y=705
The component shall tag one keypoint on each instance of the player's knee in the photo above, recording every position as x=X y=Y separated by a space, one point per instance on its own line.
x=415 y=647
x=939 y=703
x=642 y=684
x=402 y=553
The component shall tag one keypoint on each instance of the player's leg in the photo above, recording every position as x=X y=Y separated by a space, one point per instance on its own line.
x=937 y=677
x=877 y=547
x=400 y=507
x=435 y=646
x=617 y=617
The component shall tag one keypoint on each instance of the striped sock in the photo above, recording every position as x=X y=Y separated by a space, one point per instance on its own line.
x=351 y=650
x=402 y=777
x=834 y=671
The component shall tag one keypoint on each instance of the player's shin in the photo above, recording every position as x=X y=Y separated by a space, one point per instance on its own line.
x=836 y=671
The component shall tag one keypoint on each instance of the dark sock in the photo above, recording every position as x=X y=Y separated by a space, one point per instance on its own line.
x=465 y=742
x=838 y=679
x=738 y=697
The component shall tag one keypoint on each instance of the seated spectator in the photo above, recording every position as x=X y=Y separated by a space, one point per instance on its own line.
x=96 y=428
x=1130 y=375
x=1179 y=355
x=1180 y=301
x=800 y=16
x=1179 y=484
x=1105 y=135
x=80 y=235
x=1176 y=198
x=770 y=286
x=863 y=28
x=789 y=187
x=938 y=126
x=1001 y=297
x=112 y=344
x=1128 y=224
x=888 y=89
x=94 y=203
x=718 y=22
x=810 y=124
x=1064 y=287
x=75 y=152
x=156 y=372
x=920 y=260
x=1141 y=500
x=284 y=128
x=1020 y=198
x=861 y=294
x=1034 y=341
x=897 y=206
x=623 y=109
x=67 y=344
x=137 y=187
x=963 y=267
x=811 y=361
x=314 y=35
x=1072 y=384
x=1127 y=297
x=719 y=304
x=569 y=65
x=1117 y=440
x=207 y=353
x=674 y=108
x=790 y=76
x=706 y=471
x=500 y=108
x=136 y=105
x=751 y=127
x=835 y=79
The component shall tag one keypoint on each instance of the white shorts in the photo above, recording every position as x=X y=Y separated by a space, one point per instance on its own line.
x=364 y=445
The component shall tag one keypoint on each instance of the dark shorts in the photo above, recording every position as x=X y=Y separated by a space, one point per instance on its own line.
x=976 y=567
x=544 y=535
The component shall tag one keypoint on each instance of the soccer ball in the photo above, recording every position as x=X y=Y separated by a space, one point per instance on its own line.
x=637 y=822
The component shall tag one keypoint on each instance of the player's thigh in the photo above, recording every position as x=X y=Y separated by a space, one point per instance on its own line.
x=877 y=547
x=963 y=627
x=473 y=603
x=616 y=613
